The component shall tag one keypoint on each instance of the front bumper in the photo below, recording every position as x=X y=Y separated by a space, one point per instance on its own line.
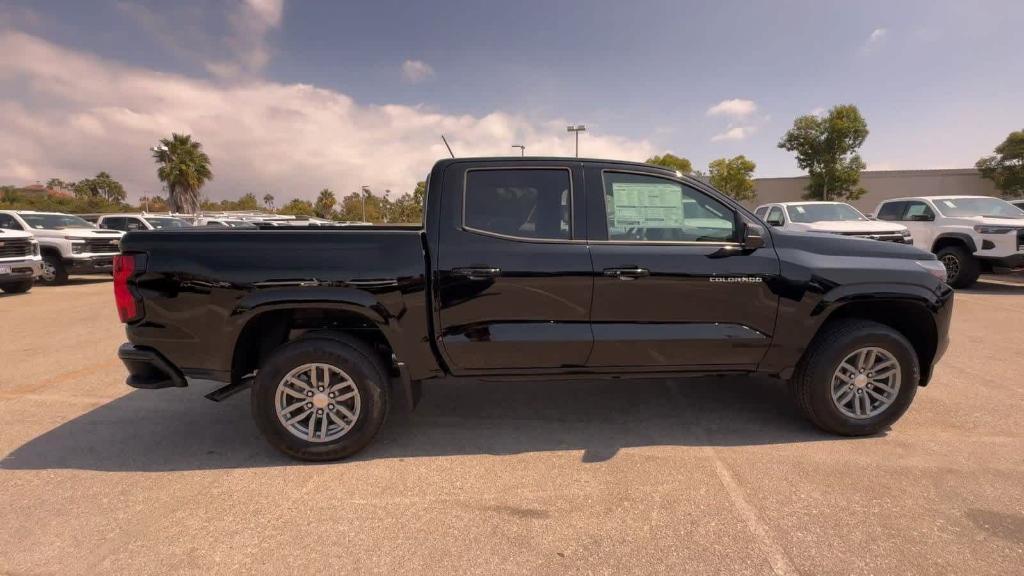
x=148 y=369
x=90 y=263
x=1013 y=262
x=22 y=269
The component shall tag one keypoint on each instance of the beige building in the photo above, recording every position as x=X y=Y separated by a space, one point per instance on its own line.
x=882 y=185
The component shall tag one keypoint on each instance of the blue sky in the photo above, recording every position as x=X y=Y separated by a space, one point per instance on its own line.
x=361 y=88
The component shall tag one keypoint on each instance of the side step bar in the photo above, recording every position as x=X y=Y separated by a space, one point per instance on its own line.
x=229 y=390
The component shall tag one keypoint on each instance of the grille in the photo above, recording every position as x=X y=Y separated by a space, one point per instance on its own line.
x=102 y=246
x=15 y=247
x=883 y=236
x=1020 y=239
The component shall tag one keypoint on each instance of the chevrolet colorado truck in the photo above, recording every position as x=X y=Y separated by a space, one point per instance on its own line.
x=529 y=268
x=830 y=218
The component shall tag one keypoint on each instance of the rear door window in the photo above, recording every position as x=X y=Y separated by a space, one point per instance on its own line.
x=891 y=211
x=519 y=203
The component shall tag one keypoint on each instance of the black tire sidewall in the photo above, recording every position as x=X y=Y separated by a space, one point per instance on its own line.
x=19 y=287
x=969 y=269
x=60 y=273
x=827 y=414
x=355 y=360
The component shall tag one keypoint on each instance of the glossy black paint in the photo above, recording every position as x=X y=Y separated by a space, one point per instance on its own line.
x=451 y=301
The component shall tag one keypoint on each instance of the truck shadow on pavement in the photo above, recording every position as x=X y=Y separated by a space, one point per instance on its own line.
x=177 y=429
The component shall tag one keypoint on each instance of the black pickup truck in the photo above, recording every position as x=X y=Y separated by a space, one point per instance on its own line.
x=524 y=269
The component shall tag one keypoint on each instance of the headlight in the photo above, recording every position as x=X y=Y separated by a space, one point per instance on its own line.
x=907 y=238
x=35 y=246
x=986 y=229
x=934 y=267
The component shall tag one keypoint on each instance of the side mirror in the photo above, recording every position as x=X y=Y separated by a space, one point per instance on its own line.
x=753 y=236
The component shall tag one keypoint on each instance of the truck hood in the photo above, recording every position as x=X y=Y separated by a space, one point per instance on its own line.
x=12 y=234
x=837 y=245
x=84 y=233
x=851 y=226
x=994 y=221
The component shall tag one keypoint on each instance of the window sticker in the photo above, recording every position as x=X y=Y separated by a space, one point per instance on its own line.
x=647 y=205
x=801 y=210
x=949 y=203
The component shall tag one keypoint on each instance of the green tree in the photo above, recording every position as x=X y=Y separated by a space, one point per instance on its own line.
x=826 y=146
x=101 y=187
x=1006 y=167
x=733 y=176
x=247 y=202
x=185 y=168
x=324 y=206
x=297 y=207
x=672 y=161
x=268 y=201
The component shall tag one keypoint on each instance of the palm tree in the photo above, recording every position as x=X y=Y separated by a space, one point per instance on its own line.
x=184 y=167
x=268 y=201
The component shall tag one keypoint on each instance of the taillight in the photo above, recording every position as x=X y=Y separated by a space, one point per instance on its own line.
x=129 y=307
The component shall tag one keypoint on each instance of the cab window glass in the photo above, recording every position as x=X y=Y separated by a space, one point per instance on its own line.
x=525 y=203
x=775 y=217
x=652 y=209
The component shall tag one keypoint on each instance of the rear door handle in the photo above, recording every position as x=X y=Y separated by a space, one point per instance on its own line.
x=480 y=273
x=627 y=273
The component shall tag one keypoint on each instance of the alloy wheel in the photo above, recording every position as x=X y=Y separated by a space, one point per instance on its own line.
x=317 y=402
x=866 y=383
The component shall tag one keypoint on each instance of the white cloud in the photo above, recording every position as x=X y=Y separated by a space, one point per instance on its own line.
x=414 y=71
x=736 y=108
x=247 y=41
x=67 y=114
x=876 y=37
x=734 y=133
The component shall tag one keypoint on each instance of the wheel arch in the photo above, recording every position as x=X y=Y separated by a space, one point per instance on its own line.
x=911 y=317
x=954 y=239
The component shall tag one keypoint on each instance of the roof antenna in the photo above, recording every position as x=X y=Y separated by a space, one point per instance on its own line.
x=445 y=140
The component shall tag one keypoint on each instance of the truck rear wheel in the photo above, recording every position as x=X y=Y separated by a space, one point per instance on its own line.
x=320 y=398
x=857 y=378
x=17 y=287
x=962 y=269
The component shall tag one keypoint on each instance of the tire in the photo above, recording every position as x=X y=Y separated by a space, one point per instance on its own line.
x=17 y=287
x=812 y=383
x=962 y=269
x=54 y=272
x=356 y=362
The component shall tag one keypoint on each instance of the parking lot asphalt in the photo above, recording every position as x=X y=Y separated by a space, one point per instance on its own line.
x=704 y=476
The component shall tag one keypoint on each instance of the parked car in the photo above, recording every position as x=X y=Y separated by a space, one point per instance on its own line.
x=969 y=234
x=525 y=269
x=130 y=222
x=831 y=218
x=69 y=244
x=20 y=262
x=224 y=223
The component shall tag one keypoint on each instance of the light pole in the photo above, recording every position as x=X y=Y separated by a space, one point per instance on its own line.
x=387 y=200
x=366 y=190
x=522 y=149
x=577 y=128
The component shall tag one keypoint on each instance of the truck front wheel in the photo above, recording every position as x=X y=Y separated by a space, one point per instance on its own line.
x=320 y=398
x=857 y=378
x=962 y=269
x=54 y=271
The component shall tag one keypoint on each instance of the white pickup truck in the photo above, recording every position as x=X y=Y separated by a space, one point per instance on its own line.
x=969 y=234
x=830 y=218
x=20 y=263
x=131 y=222
x=68 y=244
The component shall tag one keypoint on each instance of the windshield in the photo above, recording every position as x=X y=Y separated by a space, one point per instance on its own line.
x=55 y=221
x=238 y=224
x=166 y=222
x=807 y=213
x=991 y=207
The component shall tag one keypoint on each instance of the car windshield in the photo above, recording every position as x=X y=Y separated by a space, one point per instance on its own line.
x=807 y=213
x=55 y=221
x=166 y=222
x=990 y=207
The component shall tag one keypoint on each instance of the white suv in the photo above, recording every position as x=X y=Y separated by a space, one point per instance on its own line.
x=20 y=263
x=830 y=218
x=69 y=244
x=969 y=234
x=131 y=222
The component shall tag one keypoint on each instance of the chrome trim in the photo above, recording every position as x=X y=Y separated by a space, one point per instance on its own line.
x=572 y=221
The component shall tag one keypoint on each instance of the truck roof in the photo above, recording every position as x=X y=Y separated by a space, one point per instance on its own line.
x=527 y=159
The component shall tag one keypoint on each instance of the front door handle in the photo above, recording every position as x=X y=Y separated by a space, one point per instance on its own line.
x=627 y=273
x=477 y=273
